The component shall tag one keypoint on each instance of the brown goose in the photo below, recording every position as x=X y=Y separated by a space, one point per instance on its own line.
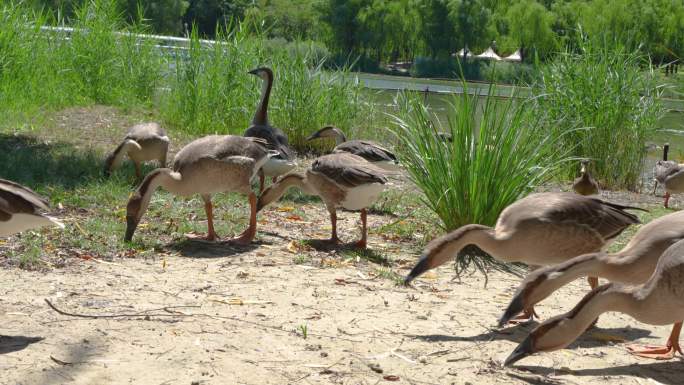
x=585 y=184
x=19 y=209
x=634 y=264
x=368 y=150
x=143 y=142
x=670 y=175
x=658 y=301
x=212 y=164
x=540 y=229
x=341 y=180
x=275 y=137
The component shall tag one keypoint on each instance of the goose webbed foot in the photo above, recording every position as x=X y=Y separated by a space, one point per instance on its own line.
x=666 y=352
x=360 y=244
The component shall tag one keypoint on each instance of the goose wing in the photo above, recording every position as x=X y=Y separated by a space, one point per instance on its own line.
x=15 y=198
x=146 y=131
x=604 y=218
x=275 y=137
x=348 y=170
x=368 y=150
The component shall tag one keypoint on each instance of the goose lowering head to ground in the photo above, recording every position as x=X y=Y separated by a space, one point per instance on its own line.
x=658 y=301
x=212 y=164
x=368 y=150
x=143 y=142
x=540 y=229
x=20 y=209
x=342 y=180
x=276 y=139
x=634 y=264
x=585 y=184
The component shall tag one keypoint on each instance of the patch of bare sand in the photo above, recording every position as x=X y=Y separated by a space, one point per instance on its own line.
x=240 y=318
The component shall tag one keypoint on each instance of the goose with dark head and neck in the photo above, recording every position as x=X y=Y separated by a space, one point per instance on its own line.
x=371 y=151
x=275 y=137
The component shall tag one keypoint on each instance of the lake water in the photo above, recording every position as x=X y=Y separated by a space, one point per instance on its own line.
x=384 y=90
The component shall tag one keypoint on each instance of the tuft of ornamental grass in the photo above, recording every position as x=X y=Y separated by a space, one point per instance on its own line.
x=613 y=94
x=499 y=152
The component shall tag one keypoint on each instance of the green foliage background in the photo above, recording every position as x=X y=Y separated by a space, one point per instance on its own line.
x=396 y=30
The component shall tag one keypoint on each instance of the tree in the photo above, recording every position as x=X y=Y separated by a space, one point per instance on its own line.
x=471 y=23
x=530 y=26
x=340 y=17
x=436 y=28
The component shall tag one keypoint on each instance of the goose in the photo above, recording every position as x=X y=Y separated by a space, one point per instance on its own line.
x=585 y=184
x=658 y=301
x=670 y=175
x=368 y=150
x=662 y=166
x=633 y=264
x=208 y=165
x=143 y=142
x=539 y=229
x=342 y=180
x=275 y=137
x=19 y=209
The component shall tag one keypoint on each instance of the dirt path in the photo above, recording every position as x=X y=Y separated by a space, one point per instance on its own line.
x=356 y=325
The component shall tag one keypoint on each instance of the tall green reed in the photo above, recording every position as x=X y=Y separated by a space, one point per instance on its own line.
x=499 y=152
x=612 y=93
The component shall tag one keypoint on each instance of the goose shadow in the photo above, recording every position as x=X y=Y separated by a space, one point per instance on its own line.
x=594 y=337
x=349 y=249
x=192 y=248
x=9 y=344
x=669 y=372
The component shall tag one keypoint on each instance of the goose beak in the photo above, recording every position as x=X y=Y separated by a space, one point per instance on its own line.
x=254 y=72
x=131 y=225
x=516 y=306
x=523 y=350
x=422 y=266
x=313 y=136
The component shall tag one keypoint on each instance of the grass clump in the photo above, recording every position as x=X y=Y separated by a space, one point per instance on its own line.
x=607 y=91
x=499 y=152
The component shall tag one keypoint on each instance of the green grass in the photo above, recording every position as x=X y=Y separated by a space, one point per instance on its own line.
x=202 y=90
x=500 y=152
x=604 y=90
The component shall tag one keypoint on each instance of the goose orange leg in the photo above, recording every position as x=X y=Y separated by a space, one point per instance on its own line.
x=660 y=352
x=667 y=199
x=262 y=180
x=209 y=209
x=333 y=223
x=361 y=244
x=248 y=235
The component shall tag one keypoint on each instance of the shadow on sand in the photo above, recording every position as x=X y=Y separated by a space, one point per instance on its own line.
x=9 y=344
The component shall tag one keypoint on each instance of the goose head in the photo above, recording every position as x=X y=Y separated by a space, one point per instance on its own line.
x=327 y=132
x=550 y=335
x=264 y=73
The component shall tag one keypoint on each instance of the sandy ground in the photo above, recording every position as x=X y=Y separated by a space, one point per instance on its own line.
x=275 y=313
x=212 y=314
